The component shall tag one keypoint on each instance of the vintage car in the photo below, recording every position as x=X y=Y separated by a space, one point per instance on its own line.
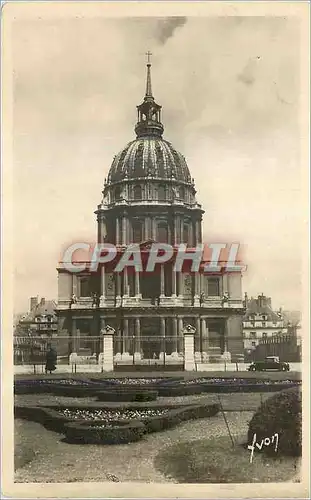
x=269 y=363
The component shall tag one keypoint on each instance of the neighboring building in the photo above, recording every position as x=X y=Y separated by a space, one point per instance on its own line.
x=261 y=321
x=40 y=321
x=149 y=196
x=33 y=331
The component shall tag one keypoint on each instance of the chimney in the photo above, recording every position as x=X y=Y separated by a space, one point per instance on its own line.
x=33 y=303
x=42 y=301
x=259 y=301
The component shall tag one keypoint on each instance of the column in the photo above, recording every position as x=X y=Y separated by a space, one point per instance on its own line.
x=175 y=336
x=125 y=336
x=173 y=282
x=162 y=326
x=137 y=339
x=180 y=284
x=190 y=243
x=125 y=283
x=75 y=285
x=201 y=283
x=118 y=285
x=103 y=230
x=180 y=336
x=154 y=229
x=175 y=222
x=197 y=347
x=196 y=301
x=162 y=282
x=123 y=230
x=117 y=231
x=224 y=284
x=103 y=283
x=162 y=334
x=147 y=232
x=137 y=284
x=204 y=335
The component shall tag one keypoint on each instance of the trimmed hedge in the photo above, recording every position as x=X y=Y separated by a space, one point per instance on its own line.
x=228 y=388
x=82 y=390
x=177 y=415
x=50 y=418
x=102 y=432
x=180 y=390
x=281 y=414
x=127 y=395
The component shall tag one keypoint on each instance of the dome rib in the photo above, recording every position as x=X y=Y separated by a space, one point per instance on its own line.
x=149 y=156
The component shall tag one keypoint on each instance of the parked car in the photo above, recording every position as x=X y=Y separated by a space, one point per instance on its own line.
x=269 y=363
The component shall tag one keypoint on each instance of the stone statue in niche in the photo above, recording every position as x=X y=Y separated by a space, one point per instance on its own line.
x=175 y=192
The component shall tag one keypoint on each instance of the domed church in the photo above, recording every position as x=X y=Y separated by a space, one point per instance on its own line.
x=149 y=196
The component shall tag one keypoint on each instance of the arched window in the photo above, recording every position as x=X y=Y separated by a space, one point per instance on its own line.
x=161 y=193
x=182 y=192
x=186 y=233
x=162 y=232
x=137 y=192
x=137 y=232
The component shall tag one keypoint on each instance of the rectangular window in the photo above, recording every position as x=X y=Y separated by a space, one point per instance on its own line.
x=213 y=287
x=85 y=289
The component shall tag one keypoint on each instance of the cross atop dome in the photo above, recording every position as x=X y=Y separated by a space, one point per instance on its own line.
x=148 y=84
x=149 y=112
x=148 y=54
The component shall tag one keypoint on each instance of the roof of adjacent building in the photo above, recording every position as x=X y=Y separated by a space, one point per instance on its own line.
x=261 y=306
x=45 y=307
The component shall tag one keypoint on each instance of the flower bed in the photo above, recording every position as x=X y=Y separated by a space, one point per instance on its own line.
x=82 y=423
x=141 y=381
x=105 y=432
x=59 y=387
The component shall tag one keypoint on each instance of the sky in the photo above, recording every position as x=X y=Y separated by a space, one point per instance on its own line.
x=229 y=87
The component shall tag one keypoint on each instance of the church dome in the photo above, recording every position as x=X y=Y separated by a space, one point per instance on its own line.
x=149 y=156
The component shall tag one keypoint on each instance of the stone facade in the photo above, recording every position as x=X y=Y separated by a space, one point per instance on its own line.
x=150 y=196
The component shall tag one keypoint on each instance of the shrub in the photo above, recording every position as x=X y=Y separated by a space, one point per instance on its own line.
x=114 y=394
x=167 y=390
x=103 y=432
x=181 y=414
x=282 y=414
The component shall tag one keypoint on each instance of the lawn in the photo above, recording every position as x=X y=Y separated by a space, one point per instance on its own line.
x=230 y=402
x=193 y=448
x=214 y=460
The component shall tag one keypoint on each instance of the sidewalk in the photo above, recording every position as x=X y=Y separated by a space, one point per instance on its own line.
x=69 y=369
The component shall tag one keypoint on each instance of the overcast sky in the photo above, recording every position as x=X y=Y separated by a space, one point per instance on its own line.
x=229 y=88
